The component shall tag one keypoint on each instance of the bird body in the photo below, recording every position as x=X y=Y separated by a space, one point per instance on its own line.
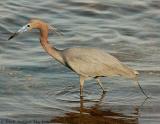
x=86 y=62
x=93 y=62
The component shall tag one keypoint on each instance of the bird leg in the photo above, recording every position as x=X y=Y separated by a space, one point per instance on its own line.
x=142 y=89
x=100 y=84
x=81 y=80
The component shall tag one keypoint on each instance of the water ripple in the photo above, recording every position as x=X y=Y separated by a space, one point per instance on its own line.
x=33 y=86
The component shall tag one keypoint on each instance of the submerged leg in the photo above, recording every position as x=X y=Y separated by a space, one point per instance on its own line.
x=141 y=89
x=81 y=81
x=100 y=84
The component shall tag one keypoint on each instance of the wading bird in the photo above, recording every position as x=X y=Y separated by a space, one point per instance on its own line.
x=86 y=62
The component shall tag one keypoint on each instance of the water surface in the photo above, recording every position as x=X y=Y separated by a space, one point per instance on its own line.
x=35 y=88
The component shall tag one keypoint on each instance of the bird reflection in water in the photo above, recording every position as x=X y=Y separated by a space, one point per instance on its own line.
x=96 y=115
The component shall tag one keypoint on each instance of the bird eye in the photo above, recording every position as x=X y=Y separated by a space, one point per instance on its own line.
x=28 y=25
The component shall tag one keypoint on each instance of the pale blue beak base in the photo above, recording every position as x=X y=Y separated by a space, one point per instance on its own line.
x=23 y=29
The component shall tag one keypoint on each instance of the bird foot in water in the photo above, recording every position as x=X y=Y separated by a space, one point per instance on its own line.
x=105 y=91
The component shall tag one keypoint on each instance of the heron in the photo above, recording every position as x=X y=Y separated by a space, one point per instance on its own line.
x=88 y=63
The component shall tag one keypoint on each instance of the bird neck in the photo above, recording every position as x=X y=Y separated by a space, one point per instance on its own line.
x=50 y=49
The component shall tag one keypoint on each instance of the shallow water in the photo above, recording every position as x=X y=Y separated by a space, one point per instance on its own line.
x=36 y=89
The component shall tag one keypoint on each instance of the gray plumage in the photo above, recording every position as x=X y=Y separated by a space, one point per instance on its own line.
x=95 y=63
x=92 y=62
x=86 y=62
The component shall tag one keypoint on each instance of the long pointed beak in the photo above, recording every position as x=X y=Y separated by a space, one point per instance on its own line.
x=21 y=30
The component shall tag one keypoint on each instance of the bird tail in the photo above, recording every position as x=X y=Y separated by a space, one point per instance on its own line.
x=135 y=72
x=130 y=73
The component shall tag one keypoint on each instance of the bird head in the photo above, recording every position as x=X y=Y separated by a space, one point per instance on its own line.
x=34 y=24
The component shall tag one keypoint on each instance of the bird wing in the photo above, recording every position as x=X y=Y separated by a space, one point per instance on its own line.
x=93 y=62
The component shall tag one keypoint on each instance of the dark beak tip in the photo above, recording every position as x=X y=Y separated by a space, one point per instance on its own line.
x=12 y=36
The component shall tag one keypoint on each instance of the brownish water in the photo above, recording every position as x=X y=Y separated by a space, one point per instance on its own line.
x=95 y=114
x=36 y=89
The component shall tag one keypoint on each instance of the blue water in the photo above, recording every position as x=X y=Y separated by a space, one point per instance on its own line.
x=34 y=87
